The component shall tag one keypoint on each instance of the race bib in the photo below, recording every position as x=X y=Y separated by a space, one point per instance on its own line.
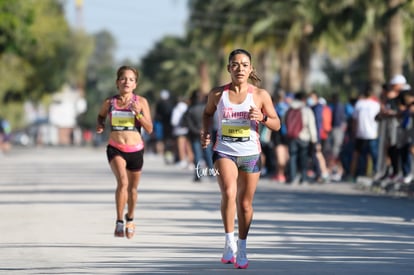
x=235 y=130
x=123 y=120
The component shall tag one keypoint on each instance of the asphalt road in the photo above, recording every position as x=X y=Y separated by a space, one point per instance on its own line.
x=57 y=217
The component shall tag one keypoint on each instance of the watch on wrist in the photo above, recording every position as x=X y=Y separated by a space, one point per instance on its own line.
x=264 y=118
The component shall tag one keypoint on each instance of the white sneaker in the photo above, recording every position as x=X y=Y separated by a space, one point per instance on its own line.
x=241 y=258
x=182 y=164
x=407 y=179
x=229 y=253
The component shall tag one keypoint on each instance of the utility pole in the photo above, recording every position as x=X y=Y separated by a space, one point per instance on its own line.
x=79 y=14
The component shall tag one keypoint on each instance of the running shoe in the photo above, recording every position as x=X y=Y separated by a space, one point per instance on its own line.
x=407 y=179
x=393 y=178
x=280 y=178
x=229 y=253
x=130 y=230
x=119 y=229
x=241 y=259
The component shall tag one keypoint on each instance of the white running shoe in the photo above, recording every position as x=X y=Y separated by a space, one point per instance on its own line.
x=241 y=259
x=407 y=179
x=229 y=253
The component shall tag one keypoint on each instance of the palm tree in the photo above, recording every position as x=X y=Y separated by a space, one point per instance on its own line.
x=366 y=26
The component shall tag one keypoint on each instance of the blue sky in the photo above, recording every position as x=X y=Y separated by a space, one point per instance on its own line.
x=135 y=24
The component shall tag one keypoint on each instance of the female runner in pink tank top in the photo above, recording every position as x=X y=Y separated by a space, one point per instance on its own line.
x=125 y=151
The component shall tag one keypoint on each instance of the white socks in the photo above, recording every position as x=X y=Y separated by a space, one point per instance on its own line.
x=230 y=237
x=241 y=244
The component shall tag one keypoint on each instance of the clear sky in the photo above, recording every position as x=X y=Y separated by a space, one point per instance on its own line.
x=135 y=24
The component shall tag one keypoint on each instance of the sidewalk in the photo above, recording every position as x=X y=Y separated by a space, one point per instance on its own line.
x=57 y=217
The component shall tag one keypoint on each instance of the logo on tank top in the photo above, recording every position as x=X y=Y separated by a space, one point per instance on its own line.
x=229 y=114
x=235 y=126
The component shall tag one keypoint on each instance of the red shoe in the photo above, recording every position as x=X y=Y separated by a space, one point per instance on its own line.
x=280 y=178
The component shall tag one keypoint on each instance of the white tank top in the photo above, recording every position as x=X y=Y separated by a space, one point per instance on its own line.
x=237 y=135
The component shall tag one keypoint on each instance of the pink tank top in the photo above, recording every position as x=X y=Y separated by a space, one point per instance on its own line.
x=123 y=119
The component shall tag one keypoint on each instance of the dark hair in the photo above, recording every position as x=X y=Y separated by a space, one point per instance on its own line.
x=300 y=95
x=368 y=90
x=314 y=92
x=253 y=76
x=124 y=68
x=239 y=51
x=194 y=97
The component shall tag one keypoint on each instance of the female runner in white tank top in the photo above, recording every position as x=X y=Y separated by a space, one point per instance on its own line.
x=240 y=107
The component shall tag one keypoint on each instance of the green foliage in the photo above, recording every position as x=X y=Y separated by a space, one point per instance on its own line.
x=38 y=52
x=100 y=77
x=171 y=65
x=33 y=39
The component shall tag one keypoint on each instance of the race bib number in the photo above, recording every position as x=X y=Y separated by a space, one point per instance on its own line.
x=121 y=119
x=235 y=130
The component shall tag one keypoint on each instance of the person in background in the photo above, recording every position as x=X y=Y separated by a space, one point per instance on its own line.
x=281 y=152
x=389 y=117
x=365 y=126
x=162 y=125
x=337 y=137
x=193 y=120
x=268 y=157
x=127 y=113
x=184 y=153
x=318 y=105
x=404 y=134
x=5 y=136
x=409 y=117
x=348 y=144
x=299 y=144
x=240 y=108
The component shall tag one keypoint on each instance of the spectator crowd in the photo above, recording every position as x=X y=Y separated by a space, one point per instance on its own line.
x=321 y=139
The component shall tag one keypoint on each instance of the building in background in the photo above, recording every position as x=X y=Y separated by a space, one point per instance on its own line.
x=66 y=106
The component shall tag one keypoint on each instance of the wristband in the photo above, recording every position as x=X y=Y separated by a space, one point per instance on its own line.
x=139 y=116
x=264 y=118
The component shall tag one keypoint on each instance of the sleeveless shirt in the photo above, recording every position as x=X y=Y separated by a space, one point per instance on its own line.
x=123 y=119
x=237 y=135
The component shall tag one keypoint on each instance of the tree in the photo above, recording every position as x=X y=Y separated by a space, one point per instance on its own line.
x=39 y=53
x=100 y=77
x=171 y=65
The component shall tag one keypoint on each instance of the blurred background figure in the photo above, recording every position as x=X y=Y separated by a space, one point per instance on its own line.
x=323 y=122
x=389 y=117
x=162 y=126
x=5 y=135
x=268 y=157
x=301 y=134
x=184 y=153
x=348 y=144
x=337 y=137
x=405 y=135
x=279 y=140
x=365 y=114
x=203 y=158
